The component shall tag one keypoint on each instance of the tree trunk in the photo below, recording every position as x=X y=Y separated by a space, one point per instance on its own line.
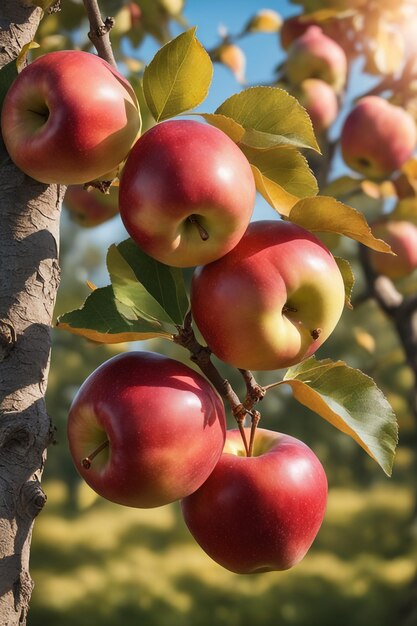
x=29 y=277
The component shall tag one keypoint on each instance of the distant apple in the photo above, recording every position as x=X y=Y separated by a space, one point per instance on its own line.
x=377 y=137
x=272 y=301
x=187 y=193
x=402 y=237
x=315 y=55
x=320 y=102
x=292 y=28
x=91 y=208
x=260 y=513
x=69 y=117
x=145 y=430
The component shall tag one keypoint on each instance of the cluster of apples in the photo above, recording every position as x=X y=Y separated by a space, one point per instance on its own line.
x=145 y=430
x=377 y=137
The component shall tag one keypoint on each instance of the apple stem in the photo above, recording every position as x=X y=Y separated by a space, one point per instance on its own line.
x=201 y=230
x=86 y=462
x=315 y=334
x=256 y=416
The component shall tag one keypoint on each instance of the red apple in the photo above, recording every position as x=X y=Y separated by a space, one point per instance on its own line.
x=402 y=237
x=92 y=207
x=315 y=55
x=292 y=28
x=272 y=301
x=69 y=117
x=377 y=137
x=260 y=513
x=164 y=424
x=320 y=102
x=186 y=193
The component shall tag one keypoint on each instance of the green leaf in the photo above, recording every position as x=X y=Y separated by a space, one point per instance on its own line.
x=351 y=402
x=270 y=117
x=327 y=215
x=282 y=176
x=137 y=303
x=178 y=77
x=164 y=283
x=100 y=320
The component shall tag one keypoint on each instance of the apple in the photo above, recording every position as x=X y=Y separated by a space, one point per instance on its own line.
x=320 y=102
x=69 y=117
x=92 y=207
x=402 y=237
x=259 y=513
x=315 y=55
x=272 y=301
x=145 y=430
x=186 y=193
x=292 y=28
x=377 y=137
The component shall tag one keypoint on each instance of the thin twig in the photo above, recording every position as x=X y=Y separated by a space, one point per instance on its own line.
x=99 y=31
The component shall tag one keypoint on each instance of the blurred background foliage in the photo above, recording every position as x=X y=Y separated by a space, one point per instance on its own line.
x=95 y=563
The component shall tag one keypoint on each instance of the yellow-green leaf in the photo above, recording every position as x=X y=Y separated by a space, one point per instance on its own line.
x=270 y=117
x=348 y=278
x=282 y=176
x=326 y=214
x=178 y=77
x=264 y=21
x=350 y=401
x=231 y=128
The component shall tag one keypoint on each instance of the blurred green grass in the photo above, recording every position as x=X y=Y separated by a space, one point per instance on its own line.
x=104 y=565
x=98 y=564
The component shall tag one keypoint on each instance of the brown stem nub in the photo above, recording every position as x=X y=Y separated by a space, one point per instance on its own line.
x=201 y=230
x=86 y=463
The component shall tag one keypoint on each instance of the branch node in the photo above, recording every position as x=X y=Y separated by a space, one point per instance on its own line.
x=8 y=339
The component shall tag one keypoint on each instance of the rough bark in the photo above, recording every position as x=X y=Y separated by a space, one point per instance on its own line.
x=29 y=277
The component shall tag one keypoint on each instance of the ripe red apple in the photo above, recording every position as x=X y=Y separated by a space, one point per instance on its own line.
x=402 y=237
x=377 y=137
x=91 y=208
x=272 y=301
x=315 y=55
x=69 y=117
x=260 y=513
x=320 y=102
x=186 y=193
x=164 y=424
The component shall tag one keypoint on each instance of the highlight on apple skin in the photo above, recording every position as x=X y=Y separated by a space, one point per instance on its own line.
x=91 y=208
x=402 y=237
x=315 y=55
x=164 y=424
x=186 y=193
x=320 y=101
x=272 y=301
x=69 y=117
x=259 y=513
x=377 y=137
